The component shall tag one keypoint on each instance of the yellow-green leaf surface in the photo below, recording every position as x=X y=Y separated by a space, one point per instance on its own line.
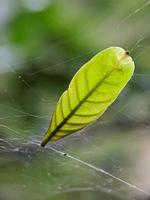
x=93 y=88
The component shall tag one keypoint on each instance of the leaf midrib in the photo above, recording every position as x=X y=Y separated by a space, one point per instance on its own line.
x=78 y=105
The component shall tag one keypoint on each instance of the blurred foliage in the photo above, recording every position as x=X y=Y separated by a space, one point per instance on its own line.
x=42 y=44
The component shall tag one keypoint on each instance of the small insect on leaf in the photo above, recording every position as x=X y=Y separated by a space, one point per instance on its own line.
x=93 y=88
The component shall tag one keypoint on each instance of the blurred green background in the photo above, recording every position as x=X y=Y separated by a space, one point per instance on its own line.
x=42 y=44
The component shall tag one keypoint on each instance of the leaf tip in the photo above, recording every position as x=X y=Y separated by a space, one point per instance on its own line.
x=127 y=52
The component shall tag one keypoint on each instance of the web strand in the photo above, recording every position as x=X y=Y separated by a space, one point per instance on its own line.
x=97 y=169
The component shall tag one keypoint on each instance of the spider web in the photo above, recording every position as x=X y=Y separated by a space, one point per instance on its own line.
x=108 y=160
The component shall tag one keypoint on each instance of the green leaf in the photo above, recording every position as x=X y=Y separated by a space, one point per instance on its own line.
x=93 y=88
